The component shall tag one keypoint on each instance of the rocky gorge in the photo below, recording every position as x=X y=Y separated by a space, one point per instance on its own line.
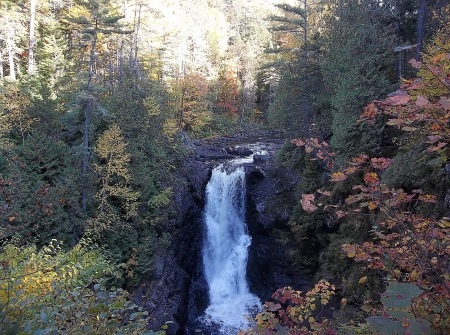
x=177 y=293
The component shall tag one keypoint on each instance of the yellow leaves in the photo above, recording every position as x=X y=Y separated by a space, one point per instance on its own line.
x=114 y=176
x=338 y=176
x=362 y=280
x=351 y=254
x=427 y=198
x=343 y=302
x=372 y=206
x=414 y=275
x=444 y=222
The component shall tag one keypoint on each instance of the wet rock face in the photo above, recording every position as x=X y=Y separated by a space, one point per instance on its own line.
x=270 y=199
x=176 y=287
x=270 y=196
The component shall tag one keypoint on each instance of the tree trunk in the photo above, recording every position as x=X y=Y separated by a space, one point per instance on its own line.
x=420 y=22
x=31 y=63
x=122 y=45
x=87 y=113
x=10 y=47
x=180 y=119
x=306 y=101
x=1 y=62
x=136 y=40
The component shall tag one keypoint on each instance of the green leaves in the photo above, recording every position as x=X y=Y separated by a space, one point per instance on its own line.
x=399 y=295
x=40 y=292
x=397 y=317
x=385 y=326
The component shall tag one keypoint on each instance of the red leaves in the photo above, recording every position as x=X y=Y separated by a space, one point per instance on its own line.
x=307 y=204
x=318 y=149
x=396 y=99
x=414 y=112
x=444 y=103
x=298 y=142
x=415 y=64
x=272 y=306
x=440 y=145
x=422 y=102
x=381 y=163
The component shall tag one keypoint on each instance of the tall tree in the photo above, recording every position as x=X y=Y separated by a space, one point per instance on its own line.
x=357 y=64
x=92 y=18
x=12 y=27
x=298 y=52
x=31 y=39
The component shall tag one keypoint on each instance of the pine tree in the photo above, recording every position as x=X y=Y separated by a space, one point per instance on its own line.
x=357 y=62
x=92 y=18
x=298 y=50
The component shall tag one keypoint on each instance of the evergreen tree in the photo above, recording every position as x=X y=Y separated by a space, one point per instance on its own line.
x=357 y=64
x=295 y=104
x=92 y=18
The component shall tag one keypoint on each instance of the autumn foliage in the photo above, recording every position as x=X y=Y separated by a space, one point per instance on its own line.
x=410 y=250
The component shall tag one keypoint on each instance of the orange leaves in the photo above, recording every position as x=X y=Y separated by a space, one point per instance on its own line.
x=436 y=127
x=371 y=206
x=371 y=179
x=440 y=57
x=370 y=112
x=427 y=198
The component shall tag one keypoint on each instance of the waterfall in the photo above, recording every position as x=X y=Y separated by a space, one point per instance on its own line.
x=225 y=253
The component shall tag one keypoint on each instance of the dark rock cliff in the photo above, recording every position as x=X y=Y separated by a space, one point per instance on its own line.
x=177 y=291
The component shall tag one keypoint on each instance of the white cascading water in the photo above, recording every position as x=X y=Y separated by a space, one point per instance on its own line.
x=225 y=253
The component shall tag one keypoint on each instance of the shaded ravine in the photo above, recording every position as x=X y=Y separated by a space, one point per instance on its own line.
x=176 y=293
x=225 y=253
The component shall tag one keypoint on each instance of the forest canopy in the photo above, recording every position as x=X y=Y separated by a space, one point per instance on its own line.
x=96 y=97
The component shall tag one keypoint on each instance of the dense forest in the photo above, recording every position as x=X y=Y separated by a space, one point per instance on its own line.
x=97 y=98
